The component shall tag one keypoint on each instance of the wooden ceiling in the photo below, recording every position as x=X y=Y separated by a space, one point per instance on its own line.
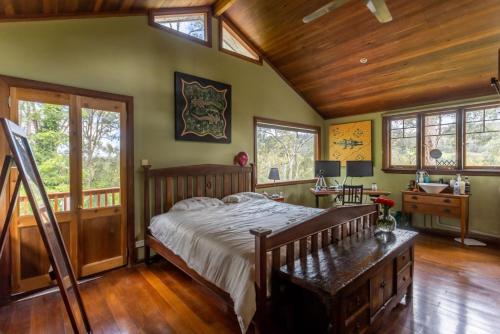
x=432 y=51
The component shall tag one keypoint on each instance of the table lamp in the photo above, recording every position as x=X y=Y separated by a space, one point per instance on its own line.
x=274 y=174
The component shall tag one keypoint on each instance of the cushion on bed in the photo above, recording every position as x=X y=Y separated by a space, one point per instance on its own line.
x=196 y=203
x=242 y=197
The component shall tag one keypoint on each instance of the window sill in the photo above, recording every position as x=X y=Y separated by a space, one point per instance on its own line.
x=284 y=183
x=466 y=172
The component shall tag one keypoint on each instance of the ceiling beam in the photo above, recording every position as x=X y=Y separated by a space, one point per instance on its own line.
x=126 y=5
x=221 y=6
x=97 y=5
x=8 y=8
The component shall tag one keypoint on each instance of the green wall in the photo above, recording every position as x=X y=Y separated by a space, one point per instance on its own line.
x=484 y=202
x=126 y=56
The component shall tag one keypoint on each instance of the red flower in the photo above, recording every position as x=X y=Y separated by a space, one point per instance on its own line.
x=385 y=202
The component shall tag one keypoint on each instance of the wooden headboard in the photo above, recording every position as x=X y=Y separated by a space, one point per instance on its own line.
x=164 y=187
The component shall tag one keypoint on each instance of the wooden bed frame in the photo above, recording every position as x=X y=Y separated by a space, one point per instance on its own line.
x=163 y=187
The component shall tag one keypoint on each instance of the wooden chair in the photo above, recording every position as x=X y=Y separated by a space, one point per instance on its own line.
x=352 y=195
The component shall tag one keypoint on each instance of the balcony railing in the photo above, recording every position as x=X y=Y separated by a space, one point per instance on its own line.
x=61 y=201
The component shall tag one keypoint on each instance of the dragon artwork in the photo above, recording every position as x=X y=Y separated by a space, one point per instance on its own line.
x=204 y=115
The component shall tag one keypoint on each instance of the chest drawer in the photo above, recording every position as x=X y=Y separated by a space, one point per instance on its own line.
x=357 y=300
x=404 y=278
x=360 y=324
x=446 y=211
x=403 y=259
x=434 y=200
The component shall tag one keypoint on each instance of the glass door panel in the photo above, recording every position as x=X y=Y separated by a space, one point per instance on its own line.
x=47 y=128
x=100 y=158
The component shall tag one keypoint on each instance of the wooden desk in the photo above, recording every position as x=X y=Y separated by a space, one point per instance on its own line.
x=359 y=281
x=442 y=204
x=369 y=192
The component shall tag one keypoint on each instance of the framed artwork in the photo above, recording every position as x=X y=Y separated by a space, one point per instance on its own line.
x=202 y=109
x=350 y=141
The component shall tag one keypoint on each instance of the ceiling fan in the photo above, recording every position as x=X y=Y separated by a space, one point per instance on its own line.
x=377 y=7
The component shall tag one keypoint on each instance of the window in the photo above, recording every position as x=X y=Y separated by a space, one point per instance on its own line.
x=468 y=139
x=482 y=137
x=440 y=132
x=232 y=42
x=290 y=147
x=403 y=142
x=191 y=22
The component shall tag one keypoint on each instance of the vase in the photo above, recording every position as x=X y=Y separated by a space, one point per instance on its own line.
x=386 y=222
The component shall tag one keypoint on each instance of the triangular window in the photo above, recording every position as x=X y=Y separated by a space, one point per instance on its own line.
x=234 y=43
x=191 y=23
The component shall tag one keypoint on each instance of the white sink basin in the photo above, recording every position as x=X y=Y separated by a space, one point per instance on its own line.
x=433 y=188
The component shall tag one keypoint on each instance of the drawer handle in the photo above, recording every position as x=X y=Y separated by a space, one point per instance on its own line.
x=414 y=197
x=404 y=278
x=447 y=210
x=447 y=200
x=403 y=257
x=414 y=206
x=382 y=285
x=358 y=300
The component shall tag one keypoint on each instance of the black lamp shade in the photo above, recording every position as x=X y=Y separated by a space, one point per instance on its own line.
x=274 y=174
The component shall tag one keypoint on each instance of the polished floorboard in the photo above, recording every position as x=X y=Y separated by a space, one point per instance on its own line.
x=456 y=290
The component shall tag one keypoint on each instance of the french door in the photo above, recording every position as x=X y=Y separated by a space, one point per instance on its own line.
x=79 y=146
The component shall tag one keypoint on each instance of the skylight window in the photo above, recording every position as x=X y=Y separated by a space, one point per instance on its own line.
x=190 y=23
x=233 y=43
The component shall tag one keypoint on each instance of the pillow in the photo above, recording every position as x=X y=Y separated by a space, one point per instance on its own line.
x=242 y=197
x=196 y=203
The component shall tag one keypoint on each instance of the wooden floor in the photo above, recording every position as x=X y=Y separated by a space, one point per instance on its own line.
x=456 y=290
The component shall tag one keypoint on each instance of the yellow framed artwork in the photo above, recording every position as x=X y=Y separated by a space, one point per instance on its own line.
x=350 y=141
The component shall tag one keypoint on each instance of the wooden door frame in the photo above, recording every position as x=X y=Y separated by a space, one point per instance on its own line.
x=5 y=83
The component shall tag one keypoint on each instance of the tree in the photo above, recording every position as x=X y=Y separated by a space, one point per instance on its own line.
x=291 y=151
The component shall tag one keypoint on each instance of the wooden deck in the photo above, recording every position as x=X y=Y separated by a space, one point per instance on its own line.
x=456 y=289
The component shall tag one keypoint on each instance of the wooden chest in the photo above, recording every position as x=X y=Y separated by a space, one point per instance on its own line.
x=358 y=282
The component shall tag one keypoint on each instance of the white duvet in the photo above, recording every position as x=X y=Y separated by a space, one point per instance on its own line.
x=217 y=244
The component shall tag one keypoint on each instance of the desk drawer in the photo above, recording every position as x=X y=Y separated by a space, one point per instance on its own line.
x=434 y=200
x=436 y=210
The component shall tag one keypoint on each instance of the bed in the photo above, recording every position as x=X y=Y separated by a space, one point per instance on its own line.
x=233 y=248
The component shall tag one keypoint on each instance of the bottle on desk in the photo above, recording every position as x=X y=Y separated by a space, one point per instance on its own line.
x=467 y=185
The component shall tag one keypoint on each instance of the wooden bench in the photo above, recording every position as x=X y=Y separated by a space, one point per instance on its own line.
x=350 y=286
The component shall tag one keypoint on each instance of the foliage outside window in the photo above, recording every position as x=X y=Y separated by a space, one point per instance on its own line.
x=47 y=129
x=191 y=23
x=440 y=132
x=482 y=137
x=468 y=137
x=291 y=148
x=233 y=42
x=403 y=141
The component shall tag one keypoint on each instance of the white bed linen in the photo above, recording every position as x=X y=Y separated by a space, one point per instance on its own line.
x=217 y=244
